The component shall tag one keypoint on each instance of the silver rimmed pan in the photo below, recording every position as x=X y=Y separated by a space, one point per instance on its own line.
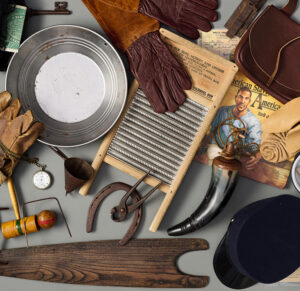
x=74 y=82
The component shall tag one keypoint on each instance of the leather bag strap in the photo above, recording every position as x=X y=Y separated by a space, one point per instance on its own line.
x=290 y=7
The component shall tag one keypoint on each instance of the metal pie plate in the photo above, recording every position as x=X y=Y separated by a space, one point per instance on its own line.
x=60 y=68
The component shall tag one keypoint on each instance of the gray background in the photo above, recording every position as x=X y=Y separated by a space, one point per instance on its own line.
x=190 y=193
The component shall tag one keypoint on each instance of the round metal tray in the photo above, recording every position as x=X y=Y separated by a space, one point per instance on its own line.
x=40 y=47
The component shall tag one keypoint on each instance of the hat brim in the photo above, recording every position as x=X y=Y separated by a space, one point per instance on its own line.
x=227 y=272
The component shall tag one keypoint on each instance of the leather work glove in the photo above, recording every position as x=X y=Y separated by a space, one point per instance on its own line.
x=159 y=74
x=17 y=134
x=164 y=79
x=186 y=16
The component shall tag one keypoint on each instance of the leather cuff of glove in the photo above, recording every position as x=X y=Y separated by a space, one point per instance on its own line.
x=121 y=26
x=2 y=178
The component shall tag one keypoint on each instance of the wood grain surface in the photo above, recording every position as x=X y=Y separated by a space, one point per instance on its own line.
x=141 y=263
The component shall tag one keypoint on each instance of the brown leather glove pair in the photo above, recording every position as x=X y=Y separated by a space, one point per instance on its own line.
x=186 y=16
x=17 y=134
x=159 y=74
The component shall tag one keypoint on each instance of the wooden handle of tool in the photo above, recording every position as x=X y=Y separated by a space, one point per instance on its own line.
x=13 y=197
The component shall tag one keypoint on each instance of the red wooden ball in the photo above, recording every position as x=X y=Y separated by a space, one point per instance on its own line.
x=46 y=219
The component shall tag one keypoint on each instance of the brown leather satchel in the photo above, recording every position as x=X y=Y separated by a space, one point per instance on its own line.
x=269 y=52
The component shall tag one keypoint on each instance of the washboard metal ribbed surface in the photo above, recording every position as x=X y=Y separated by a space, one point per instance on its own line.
x=158 y=142
x=166 y=144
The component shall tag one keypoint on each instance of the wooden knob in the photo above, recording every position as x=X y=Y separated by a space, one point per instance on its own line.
x=46 y=219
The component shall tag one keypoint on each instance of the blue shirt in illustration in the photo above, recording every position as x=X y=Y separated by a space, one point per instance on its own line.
x=252 y=124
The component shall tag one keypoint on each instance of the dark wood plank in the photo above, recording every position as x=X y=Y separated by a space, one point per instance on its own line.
x=243 y=16
x=141 y=263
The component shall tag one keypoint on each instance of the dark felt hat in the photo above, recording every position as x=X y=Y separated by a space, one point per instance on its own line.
x=262 y=243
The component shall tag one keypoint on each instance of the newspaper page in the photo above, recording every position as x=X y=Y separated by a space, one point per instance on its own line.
x=259 y=106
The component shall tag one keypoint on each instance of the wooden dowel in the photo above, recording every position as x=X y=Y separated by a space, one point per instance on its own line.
x=13 y=197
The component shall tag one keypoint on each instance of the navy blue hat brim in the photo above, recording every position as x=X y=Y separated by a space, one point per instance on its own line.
x=227 y=273
x=261 y=243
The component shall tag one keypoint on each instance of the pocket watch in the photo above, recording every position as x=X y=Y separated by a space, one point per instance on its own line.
x=42 y=179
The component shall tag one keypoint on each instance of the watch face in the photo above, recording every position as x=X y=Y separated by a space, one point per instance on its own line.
x=42 y=180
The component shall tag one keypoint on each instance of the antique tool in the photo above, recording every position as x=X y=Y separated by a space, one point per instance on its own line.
x=121 y=211
x=18 y=227
x=25 y=225
x=77 y=171
x=45 y=219
x=102 y=195
x=225 y=170
x=84 y=45
x=141 y=263
x=143 y=140
x=60 y=9
x=243 y=16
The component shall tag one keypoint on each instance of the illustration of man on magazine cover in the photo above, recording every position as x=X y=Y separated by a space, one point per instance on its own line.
x=239 y=116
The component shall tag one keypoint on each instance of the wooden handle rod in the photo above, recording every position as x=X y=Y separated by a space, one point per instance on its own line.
x=13 y=197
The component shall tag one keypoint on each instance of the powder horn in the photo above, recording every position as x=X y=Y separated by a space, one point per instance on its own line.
x=224 y=176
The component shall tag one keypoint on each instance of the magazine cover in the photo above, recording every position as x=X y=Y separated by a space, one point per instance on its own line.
x=245 y=105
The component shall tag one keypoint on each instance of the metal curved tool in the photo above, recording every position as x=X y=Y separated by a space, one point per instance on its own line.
x=119 y=212
x=102 y=195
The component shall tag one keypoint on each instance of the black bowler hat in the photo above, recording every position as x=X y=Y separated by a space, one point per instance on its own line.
x=262 y=243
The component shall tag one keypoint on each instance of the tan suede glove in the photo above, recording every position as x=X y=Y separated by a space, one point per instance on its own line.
x=17 y=134
x=281 y=133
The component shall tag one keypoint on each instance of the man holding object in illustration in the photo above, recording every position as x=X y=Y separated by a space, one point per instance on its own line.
x=242 y=113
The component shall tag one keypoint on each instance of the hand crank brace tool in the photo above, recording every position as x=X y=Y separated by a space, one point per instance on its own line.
x=121 y=211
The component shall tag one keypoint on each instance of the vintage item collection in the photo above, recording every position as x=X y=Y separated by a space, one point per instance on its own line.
x=120 y=212
x=143 y=140
x=72 y=86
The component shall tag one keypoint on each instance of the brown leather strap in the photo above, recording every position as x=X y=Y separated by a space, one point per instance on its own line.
x=102 y=194
x=290 y=7
x=272 y=77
